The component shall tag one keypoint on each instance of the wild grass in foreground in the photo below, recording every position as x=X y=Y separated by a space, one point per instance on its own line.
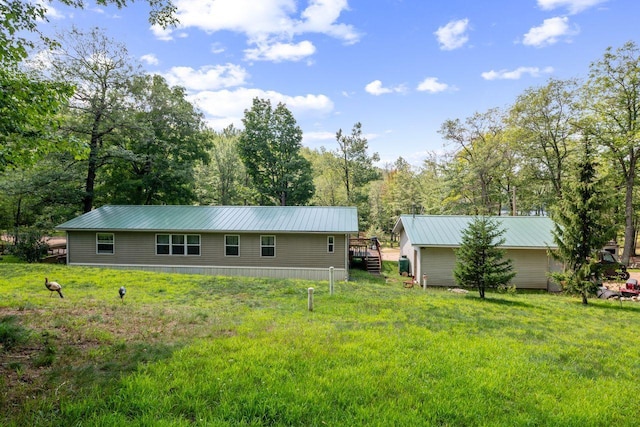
x=184 y=350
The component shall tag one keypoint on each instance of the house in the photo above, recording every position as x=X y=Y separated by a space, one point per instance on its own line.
x=429 y=243
x=261 y=241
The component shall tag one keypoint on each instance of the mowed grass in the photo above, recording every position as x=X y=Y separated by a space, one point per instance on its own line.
x=196 y=350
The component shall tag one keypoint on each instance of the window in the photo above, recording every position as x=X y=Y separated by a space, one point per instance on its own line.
x=232 y=245
x=105 y=243
x=268 y=246
x=330 y=244
x=177 y=244
x=162 y=244
x=193 y=244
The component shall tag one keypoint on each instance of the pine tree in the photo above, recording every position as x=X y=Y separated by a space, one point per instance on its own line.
x=583 y=225
x=480 y=263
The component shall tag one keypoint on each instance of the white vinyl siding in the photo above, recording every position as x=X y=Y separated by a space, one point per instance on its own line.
x=437 y=264
x=531 y=267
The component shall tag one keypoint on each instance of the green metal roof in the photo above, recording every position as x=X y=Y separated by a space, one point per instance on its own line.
x=446 y=230
x=313 y=219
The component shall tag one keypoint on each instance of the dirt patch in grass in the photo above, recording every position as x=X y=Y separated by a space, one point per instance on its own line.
x=70 y=340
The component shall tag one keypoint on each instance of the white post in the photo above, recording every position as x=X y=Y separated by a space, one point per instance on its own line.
x=310 y=299
x=330 y=280
x=424 y=282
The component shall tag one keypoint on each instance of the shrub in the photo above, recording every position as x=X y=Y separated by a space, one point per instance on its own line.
x=30 y=246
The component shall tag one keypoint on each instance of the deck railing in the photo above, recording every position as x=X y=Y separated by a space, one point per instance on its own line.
x=363 y=248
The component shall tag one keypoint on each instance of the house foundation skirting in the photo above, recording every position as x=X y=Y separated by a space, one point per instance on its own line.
x=321 y=274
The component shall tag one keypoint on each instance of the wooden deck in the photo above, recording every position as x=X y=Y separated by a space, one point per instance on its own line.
x=366 y=253
x=57 y=252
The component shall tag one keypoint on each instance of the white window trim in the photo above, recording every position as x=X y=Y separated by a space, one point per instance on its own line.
x=268 y=246
x=163 y=244
x=225 y=245
x=113 y=244
x=185 y=245
x=331 y=246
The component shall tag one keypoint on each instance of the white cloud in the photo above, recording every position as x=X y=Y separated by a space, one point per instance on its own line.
x=53 y=13
x=453 y=35
x=573 y=6
x=269 y=25
x=160 y=33
x=150 y=59
x=376 y=88
x=515 y=74
x=317 y=138
x=320 y=17
x=225 y=107
x=217 y=48
x=549 y=32
x=211 y=77
x=278 y=52
x=432 y=85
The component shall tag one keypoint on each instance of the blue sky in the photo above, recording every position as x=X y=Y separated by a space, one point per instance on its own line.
x=400 y=67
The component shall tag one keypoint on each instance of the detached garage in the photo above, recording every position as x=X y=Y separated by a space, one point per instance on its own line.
x=429 y=242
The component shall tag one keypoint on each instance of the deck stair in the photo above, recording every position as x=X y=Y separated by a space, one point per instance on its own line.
x=373 y=264
x=367 y=251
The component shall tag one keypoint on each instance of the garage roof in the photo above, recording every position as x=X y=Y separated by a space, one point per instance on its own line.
x=310 y=219
x=446 y=230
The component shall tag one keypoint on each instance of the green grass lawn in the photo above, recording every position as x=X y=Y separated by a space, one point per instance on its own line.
x=198 y=350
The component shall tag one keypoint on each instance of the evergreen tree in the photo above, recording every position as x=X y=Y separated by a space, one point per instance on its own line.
x=480 y=263
x=583 y=225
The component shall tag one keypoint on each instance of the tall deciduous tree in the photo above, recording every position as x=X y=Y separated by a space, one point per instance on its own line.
x=583 y=224
x=356 y=164
x=482 y=166
x=612 y=97
x=542 y=121
x=327 y=178
x=480 y=262
x=223 y=180
x=431 y=185
x=29 y=105
x=270 y=150
x=155 y=155
x=399 y=194
x=42 y=195
x=19 y=19
x=101 y=70
x=27 y=102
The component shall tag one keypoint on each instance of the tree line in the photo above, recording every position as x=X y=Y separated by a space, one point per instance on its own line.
x=83 y=126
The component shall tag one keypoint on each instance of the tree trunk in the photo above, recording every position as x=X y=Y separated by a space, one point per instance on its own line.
x=87 y=201
x=629 y=229
x=584 y=298
x=94 y=145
